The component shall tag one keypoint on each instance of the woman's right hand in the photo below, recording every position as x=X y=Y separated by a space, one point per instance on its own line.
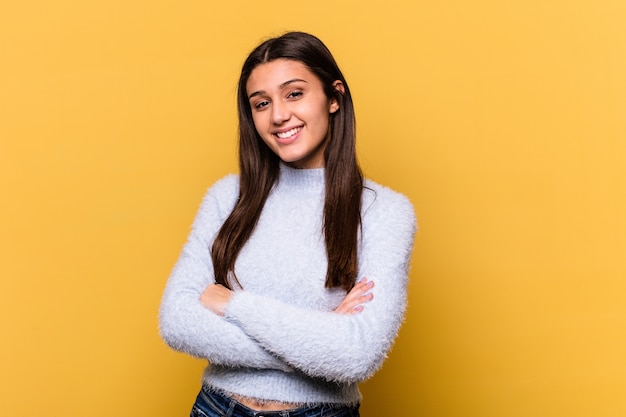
x=354 y=300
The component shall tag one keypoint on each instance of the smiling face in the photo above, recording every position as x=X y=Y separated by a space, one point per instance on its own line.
x=291 y=112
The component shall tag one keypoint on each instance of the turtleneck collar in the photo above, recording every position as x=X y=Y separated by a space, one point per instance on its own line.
x=312 y=179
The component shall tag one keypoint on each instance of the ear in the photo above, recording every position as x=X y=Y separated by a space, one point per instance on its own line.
x=338 y=86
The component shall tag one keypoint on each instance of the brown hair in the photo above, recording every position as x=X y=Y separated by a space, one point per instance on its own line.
x=259 y=166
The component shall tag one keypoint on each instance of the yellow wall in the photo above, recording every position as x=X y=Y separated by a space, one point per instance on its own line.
x=504 y=121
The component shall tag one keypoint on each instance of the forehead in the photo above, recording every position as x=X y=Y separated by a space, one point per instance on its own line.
x=271 y=75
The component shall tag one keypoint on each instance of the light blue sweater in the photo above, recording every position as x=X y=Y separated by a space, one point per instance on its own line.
x=279 y=339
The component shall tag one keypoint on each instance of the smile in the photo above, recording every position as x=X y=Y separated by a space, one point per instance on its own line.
x=289 y=133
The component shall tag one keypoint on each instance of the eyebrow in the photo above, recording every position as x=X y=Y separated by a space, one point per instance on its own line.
x=283 y=85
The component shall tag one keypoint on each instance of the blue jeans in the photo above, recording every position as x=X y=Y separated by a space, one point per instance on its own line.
x=214 y=404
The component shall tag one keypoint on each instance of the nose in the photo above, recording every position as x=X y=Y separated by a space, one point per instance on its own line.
x=280 y=113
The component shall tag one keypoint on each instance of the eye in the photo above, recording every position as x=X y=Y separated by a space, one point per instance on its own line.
x=295 y=94
x=261 y=104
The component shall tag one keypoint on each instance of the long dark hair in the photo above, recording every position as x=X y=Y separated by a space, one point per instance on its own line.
x=259 y=166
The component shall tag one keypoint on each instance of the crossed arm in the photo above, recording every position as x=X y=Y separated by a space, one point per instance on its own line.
x=216 y=298
x=243 y=329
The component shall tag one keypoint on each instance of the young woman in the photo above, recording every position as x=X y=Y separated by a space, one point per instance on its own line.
x=275 y=285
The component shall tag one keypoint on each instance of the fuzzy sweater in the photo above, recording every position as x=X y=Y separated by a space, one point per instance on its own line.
x=279 y=339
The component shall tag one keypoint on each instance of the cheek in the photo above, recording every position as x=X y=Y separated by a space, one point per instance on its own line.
x=258 y=122
x=323 y=118
x=317 y=113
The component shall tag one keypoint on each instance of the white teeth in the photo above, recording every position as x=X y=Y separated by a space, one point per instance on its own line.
x=289 y=133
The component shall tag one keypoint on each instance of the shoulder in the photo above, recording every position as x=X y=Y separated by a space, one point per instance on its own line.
x=225 y=186
x=388 y=224
x=222 y=195
x=379 y=199
x=387 y=213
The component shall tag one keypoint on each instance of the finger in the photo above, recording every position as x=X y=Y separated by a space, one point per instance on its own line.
x=356 y=310
x=354 y=305
x=350 y=311
x=366 y=297
x=362 y=286
x=361 y=290
x=358 y=295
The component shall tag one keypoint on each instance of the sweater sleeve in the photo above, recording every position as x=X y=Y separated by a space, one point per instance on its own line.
x=342 y=348
x=185 y=324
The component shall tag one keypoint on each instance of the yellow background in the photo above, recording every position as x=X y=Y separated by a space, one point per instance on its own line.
x=503 y=121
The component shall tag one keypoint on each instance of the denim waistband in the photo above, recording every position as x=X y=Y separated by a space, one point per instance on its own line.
x=229 y=407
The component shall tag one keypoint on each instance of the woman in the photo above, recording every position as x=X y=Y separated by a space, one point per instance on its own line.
x=275 y=285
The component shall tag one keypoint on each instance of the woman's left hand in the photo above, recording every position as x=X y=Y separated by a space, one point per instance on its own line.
x=216 y=297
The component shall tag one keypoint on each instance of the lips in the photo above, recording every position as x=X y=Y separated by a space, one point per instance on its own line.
x=288 y=133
